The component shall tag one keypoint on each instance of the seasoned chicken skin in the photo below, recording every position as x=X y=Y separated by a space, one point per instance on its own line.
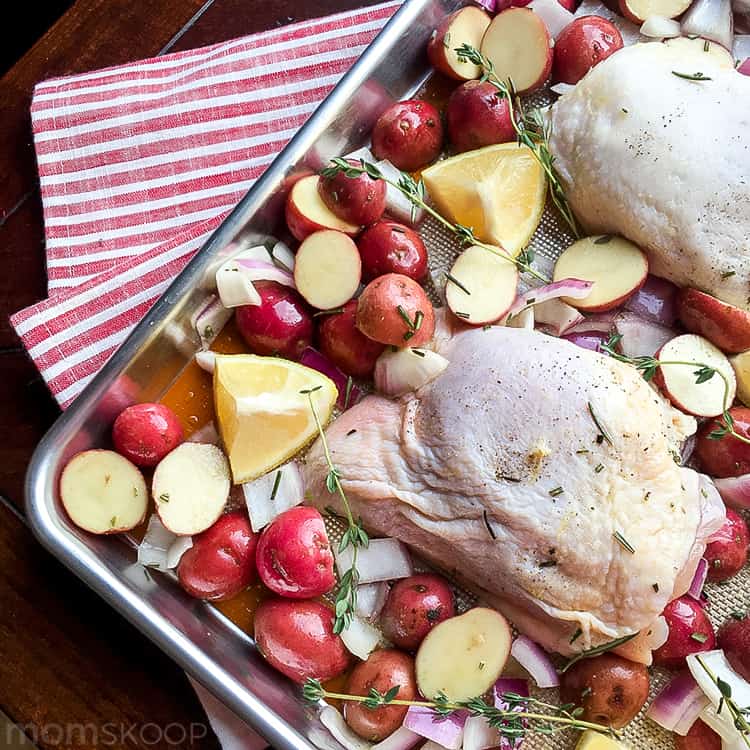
x=663 y=161
x=540 y=474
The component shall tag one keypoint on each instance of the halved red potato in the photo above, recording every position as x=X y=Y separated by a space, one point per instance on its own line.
x=307 y=213
x=617 y=268
x=638 y=11
x=724 y=325
x=702 y=49
x=465 y=26
x=679 y=383
x=519 y=46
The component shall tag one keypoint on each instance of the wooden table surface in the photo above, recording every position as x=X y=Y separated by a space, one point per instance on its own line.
x=67 y=661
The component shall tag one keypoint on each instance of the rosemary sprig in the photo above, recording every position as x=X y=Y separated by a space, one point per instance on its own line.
x=530 y=129
x=355 y=536
x=597 y=650
x=691 y=76
x=648 y=366
x=599 y=426
x=623 y=542
x=522 y=714
x=415 y=192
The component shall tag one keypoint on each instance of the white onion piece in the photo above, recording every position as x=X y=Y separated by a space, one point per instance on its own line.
x=206 y=360
x=659 y=27
x=599 y=323
x=525 y=319
x=210 y=319
x=535 y=661
x=561 y=88
x=282 y=256
x=206 y=434
x=371 y=599
x=735 y=491
x=407 y=370
x=382 y=560
x=152 y=551
x=177 y=549
x=741 y=49
x=361 y=638
x=397 y=204
x=478 y=734
x=658 y=633
x=710 y=19
x=641 y=337
x=259 y=270
x=699 y=579
x=560 y=318
x=175 y=333
x=401 y=739
x=629 y=31
x=360 y=153
x=334 y=722
x=234 y=285
x=555 y=17
x=679 y=704
x=445 y=731
x=263 y=504
x=576 y=288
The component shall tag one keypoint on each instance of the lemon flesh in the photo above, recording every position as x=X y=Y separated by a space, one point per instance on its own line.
x=263 y=415
x=498 y=191
x=591 y=740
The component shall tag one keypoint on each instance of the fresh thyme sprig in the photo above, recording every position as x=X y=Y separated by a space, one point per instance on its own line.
x=531 y=130
x=648 y=366
x=414 y=190
x=512 y=722
x=355 y=536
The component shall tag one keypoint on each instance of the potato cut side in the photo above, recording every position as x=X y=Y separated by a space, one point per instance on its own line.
x=308 y=207
x=103 y=492
x=328 y=269
x=639 y=10
x=741 y=366
x=704 y=50
x=616 y=267
x=707 y=399
x=482 y=286
x=519 y=46
x=462 y=657
x=191 y=487
x=466 y=26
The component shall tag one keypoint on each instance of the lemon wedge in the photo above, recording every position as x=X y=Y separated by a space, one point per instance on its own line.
x=591 y=740
x=262 y=414
x=498 y=190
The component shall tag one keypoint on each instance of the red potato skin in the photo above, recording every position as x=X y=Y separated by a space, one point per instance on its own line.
x=358 y=200
x=390 y=247
x=727 y=554
x=383 y=670
x=734 y=639
x=221 y=562
x=478 y=116
x=700 y=737
x=581 y=45
x=281 y=325
x=685 y=617
x=345 y=345
x=145 y=433
x=413 y=607
x=297 y=639
x=293 y=555
x=408 y=134
x=725 y=326
x=378 y=316
x=727 y=456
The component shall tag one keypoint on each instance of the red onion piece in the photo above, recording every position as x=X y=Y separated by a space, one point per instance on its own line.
x=314 y=359
x=641 y=337
x=535 y=661
x=710 y=19
x=591 y=341
x=210 y=319
x=510 y=685
x=655 y=300
x=258 y=270
x=488 y=5
x=713 y=510
x=735 y=491
x=576 y=288
x=744 y=67
x=479 y=735
x=447 y=731
x=699 y=580
x=679 y=704
x=599 y=323
x=556 y=316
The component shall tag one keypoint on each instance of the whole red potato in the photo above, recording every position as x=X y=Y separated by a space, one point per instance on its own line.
x=390 y=247
x=145 y=433
x=727 y=553
x=477 y=115
x=408 y=134
x=727 y=456
x=581 y=45
x=345 y=345
x=690 y=632
x=281 y=325
x=700 y=737
x=296 y=637
x=358 y=200
x=221 y=562
x=294 y=557
x=413 y=607
x=734 y=639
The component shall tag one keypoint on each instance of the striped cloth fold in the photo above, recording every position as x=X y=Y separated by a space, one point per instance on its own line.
x=139 y=163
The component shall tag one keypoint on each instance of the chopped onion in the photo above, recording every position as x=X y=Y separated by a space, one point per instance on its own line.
x=361 y=638
x=401 y=739
x=334 y=722
x=561 y=88
x=699 y=579
x=555 y=17
x=641 y=337
x=360 y=153
x=560 y=318
x=655 y=300
x=735 y=491
x=258 y=270
x=175 y=333
x=710 y=19
x=210 y=319
x=397 y=204
x=576 y=288
x=629 y=31
x=510 y=685
x=659 y=27
x=382 y=560
x=489 y=5
x=741 y=49
x=160 y=548
x=349 y=394
x=371 y=599
x=206 y=360
x=478 y=734
x=688 y=448
x=272 y=494
x=178 y=548
x=679 y=704
x=591 y=341
x=205 y=434
x=282 y=256
x=744 y=67
x=235 y=285
x=407 y=370
x=535 y=661
x=599 y=323
x=524 y=319
x=446 y=731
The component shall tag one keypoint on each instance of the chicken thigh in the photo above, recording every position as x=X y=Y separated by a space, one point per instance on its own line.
x=650 y=154
x=541 y=475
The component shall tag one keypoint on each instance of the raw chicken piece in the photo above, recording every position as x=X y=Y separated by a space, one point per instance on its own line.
x=663 y=161
x=496 y=473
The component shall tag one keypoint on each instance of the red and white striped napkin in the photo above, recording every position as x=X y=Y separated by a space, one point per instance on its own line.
x=138 y=164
